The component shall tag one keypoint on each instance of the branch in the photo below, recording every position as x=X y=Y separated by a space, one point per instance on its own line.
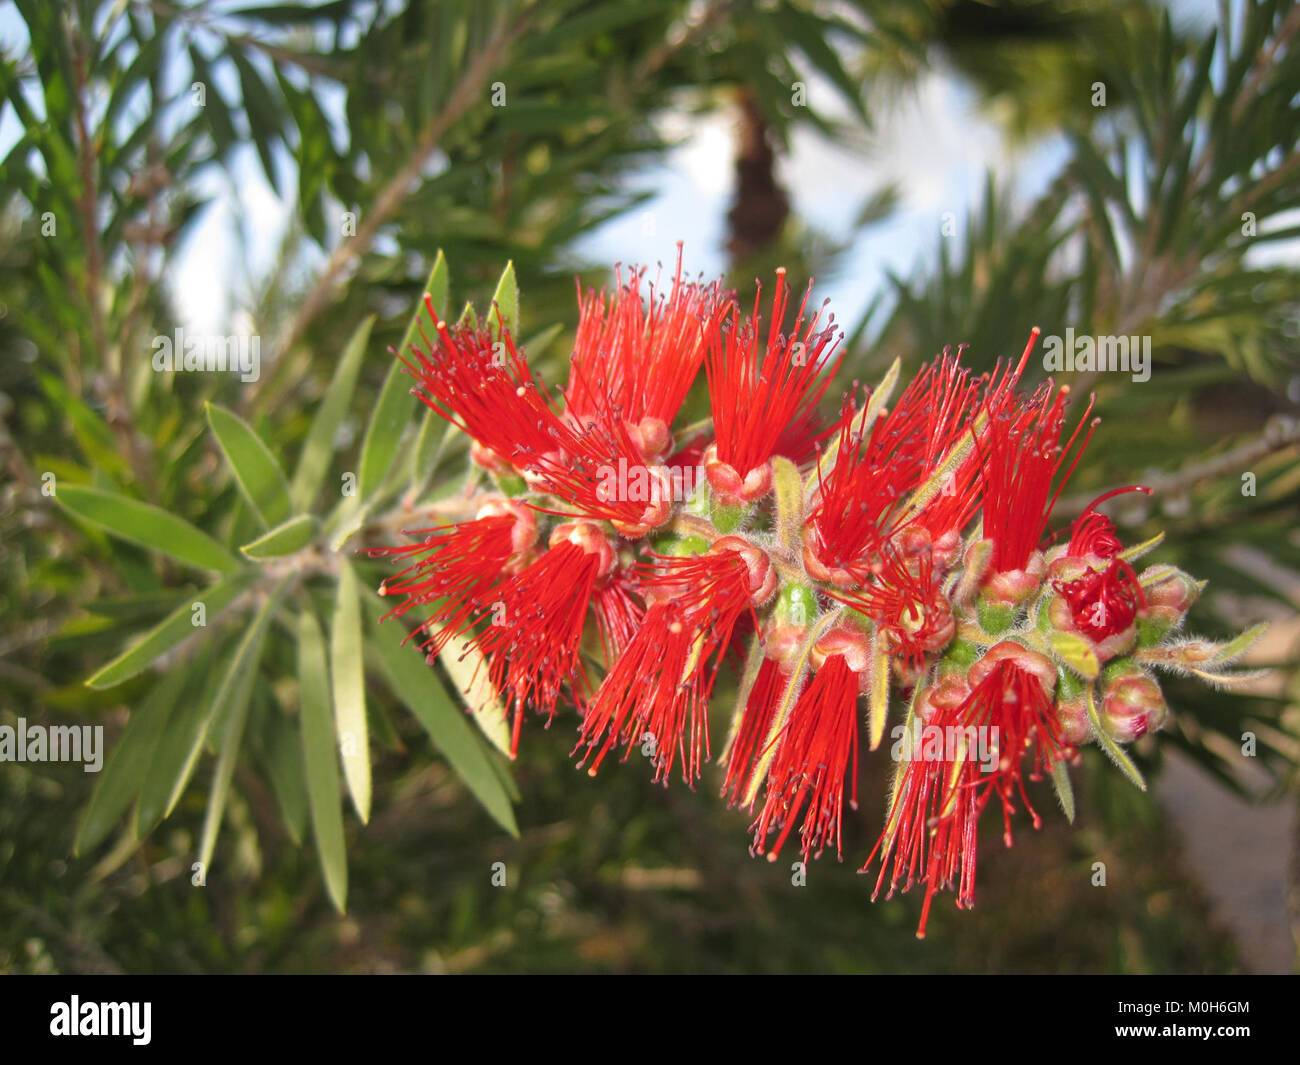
x=403 y=183
x=1279 y=433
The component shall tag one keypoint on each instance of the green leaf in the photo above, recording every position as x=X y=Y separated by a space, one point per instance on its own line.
x=348 y=675
x=320 y=759
x=259 y=475
x=146 y=525
x=1077 y=653
x=230 y=705
x=122 y=774
x=178 y=625
x=787 y=487
x=178 y=750
x=265 y=119
x=314 y=461
x=1113 y=750
x=468 y=670
x=293 y=535
x=506 y=300
x=282 y=755
x=393 y=408
x=437 y=289
x=409 y=678
x=1064 y=789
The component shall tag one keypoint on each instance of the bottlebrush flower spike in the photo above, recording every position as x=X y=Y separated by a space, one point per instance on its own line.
x=537 y=618
x=480 y=383
x=640 y=362
x=457 y=565
x=910 y=553
x=859 y=506
x=757 y=401
x=816 y=750
x=660 y=686
x=1023 y=457
x=974 y=751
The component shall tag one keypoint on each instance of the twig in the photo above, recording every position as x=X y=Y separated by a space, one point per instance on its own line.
x=1281 y=432
x=403 y=183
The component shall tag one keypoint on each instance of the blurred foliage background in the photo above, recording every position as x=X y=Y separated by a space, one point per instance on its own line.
x=1174 y=215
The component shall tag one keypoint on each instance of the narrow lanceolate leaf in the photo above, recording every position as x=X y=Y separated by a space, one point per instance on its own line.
x=753 y=663
x=282 y=756
x=1234 y=649
x=184 y=621
x=1130 y=554
x=506 y=301
x=348 y=677
x=1077 y=653
x=437 y=288
x=788 y=489
x=320 y=759
x=788 y=699
x=878 y=705
x=230 y=706
x=146 y=525
x=314 y=461
x=259 y=475
x=392 y=411
x=285 y=539
x=178 y=751
x=1064 y=789
x=1113 y=750
x=123 y=773
x=469 y=672
x=393 y=408
x=408 y=676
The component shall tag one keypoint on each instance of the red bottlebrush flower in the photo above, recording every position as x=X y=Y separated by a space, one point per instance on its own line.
x=481 y=384
x=858 y=506
x=1093 y=534
x=814 y=750
x=1103 y=603
x=980 y=745
x=756 y=718
x=456 y=564
x=660 y=685
x=638 y=362
x=932 y=828
x=1101 y=591
x=755 y=405
x=536 y=621
x=905 y=598
x=1012 y=690
x=598 y=468
x=618 y=613
x=1021 y=459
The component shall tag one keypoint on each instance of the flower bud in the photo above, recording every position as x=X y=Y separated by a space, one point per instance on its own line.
x=523 y=534
x=762 y=574
x=948 y=693
x=730 y=488
x=1075 y=725
x=1030 y=661
x=1131 y=706
x=590 y=537
x=1167 y=604
x=851 y=644
x=1015 y=586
